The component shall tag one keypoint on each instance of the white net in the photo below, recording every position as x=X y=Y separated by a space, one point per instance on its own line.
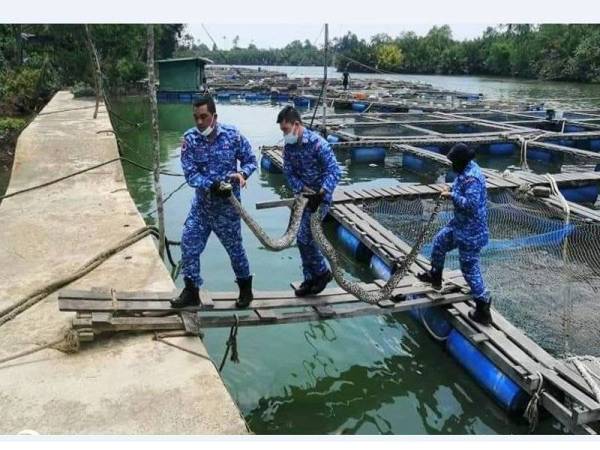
x=543 y=273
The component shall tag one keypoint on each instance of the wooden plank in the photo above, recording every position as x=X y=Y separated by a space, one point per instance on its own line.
x=206 y=300
x=325 y=311
x=266 y=315
x=389 y=192
x=522 y=359
x=540 y=355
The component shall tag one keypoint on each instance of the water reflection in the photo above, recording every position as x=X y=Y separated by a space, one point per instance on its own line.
x=400 y=393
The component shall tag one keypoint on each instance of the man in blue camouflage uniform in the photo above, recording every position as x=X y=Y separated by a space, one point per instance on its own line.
x=209 y=156
x=311 y=170
x=467 y=231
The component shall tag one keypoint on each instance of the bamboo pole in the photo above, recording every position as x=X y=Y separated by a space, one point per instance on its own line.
x=96 y=65
x=155 y=139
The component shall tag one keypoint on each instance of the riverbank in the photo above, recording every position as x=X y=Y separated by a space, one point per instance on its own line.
x=122 y=384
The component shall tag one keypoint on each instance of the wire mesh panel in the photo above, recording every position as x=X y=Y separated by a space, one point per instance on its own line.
x=543 y=271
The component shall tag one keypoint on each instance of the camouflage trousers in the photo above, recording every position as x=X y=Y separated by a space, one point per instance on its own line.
x=468 y=258
x=203 y=219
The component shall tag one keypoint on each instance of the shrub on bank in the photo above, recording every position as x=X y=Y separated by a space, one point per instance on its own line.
x=81 y=89
x=11 y=126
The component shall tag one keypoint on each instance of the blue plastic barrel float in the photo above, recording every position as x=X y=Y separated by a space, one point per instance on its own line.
x=504 y=391
x=501 y=387
x=367 y=155
x=594 y=145
x=279 y=97
x=581 y=194
x=379 y=268
x=574 y=129
x=416 y=163
x=261 y=96
x=185 y=97
x=353 y=245
x=268 y=165
x=162 y=97
x=500 y=148
x=302 y=102
x=359 y=106
x=542 y=154
x=333 y=139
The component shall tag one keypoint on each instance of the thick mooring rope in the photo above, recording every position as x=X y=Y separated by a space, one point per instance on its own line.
x=288 y=237
x=69 y=343
x=39 y=294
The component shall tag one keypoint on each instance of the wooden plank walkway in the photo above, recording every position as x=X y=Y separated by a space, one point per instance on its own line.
x=494 y=181
x=567 y=396
x=102 y=311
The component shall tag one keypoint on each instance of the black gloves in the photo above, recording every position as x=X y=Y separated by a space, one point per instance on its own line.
x=314 y=200
x=220 y=189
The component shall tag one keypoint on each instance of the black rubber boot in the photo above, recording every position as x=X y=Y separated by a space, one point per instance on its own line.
x=431 y=277
x=482 y=314
x=246 y=295
x=304 y=288
x=320 y=282
x=188 y=297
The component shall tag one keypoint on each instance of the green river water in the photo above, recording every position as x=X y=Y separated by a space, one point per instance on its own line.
x=369 y=375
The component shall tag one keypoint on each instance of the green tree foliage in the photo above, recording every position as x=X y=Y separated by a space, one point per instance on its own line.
x=35 y=60
x=548 y=51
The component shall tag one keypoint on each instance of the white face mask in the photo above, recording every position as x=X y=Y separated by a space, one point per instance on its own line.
x=290 y=138
x=209 y=129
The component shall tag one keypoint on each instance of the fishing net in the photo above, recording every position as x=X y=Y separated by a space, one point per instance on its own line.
x=543 y=273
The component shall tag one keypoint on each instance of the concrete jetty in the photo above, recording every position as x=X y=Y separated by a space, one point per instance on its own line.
x=123 y=384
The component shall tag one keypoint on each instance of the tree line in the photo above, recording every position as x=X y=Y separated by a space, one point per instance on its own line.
x=562 y=52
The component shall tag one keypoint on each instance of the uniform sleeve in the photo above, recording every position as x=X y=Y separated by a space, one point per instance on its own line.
x=472 y=194
x=190 y=169
x=293 y=180
x=246 y=157
x=331 y=167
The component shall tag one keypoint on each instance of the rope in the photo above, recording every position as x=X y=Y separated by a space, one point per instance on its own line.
x=39 y=294
x=169 y=196
x=433 y=334
x=565 y=255
x=231 y=344
x=399 y=272
x=161 y=337
x=69 y=343
x=587 y=377
x=532 y=412
x=79 y=172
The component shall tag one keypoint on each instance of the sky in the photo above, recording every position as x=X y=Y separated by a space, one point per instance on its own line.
x=279 y=35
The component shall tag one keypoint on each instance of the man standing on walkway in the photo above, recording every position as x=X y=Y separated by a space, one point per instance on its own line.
x=467 y=231
x=311 y=170
x=209 y=157
x=345 y=77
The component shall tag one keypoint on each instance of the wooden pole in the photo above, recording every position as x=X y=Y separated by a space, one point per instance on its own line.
x=96 y=65
x=325 y=76
x=155 y=140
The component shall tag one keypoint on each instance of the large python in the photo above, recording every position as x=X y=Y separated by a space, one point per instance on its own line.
x=352 y=287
